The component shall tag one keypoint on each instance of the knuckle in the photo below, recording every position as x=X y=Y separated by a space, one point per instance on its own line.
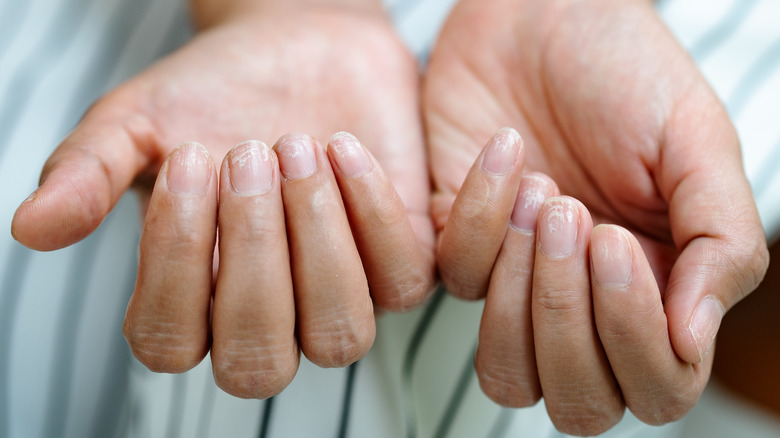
x=627 y=327
x=560 y=302
x=406 y=293
x=247 y=369
x=665 y=407
x=586 y=420
x=337 y=342
x=748 y=260
x=161 y=349
x=475 y=211
x=506 y=386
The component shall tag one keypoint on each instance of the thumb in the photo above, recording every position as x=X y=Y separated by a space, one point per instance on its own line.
x=84 y=178
x=716 y=226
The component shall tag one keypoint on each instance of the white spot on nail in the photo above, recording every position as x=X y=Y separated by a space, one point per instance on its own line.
x=242 y=155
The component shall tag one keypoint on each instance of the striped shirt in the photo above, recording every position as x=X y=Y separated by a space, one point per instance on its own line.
x=65 y=370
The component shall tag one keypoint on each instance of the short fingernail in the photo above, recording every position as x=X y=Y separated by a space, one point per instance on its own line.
x=611 y=256
x=297 y=158
x=502 y=151
x=350 y=156
x=705 y=323
x=558 y=226
x=251 y=168
x=189 y=169
x=532 y=193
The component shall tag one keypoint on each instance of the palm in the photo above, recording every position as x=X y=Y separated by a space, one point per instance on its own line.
x=592 y=107
x=259 y=79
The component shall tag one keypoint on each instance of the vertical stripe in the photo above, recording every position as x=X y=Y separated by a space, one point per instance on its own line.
x=758 y=73
x=114 y=387
x=11 y=19
x=176 y=409
x=206 y=406
x=401 y=9
x=502 y=423
x=407 y=394
x=116 y=37
x=13 y=275
x=61 y=377
x=265 y=425
x=179 y=31
x=466 y=376
x=346 y=405
x=722 y=30
x=768 y=171
x=40 y=61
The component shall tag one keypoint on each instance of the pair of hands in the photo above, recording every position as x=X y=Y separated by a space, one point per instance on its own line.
x=609 y=107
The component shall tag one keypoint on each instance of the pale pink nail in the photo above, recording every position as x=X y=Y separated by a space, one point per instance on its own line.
x=189 y=169
x=502 y=151
x=297 y=158
x=251 y=168
x=704 y=325
x=530 y=197
x=350 y=156
x=558 y=227
x=611 y=257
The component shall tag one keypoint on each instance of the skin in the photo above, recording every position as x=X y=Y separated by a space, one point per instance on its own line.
x=311 y=251
x=299 y=265
x=621 y=120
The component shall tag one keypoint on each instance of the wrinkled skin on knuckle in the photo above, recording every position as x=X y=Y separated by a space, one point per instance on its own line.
x=506 y=387
x=254 y=371
x=160 y=350
x=667 y=405
x=586 y=421
x=337 y=342
x=409 y=289
x=562 y=303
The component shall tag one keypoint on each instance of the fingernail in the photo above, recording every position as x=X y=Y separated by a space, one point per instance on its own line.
x=251 y=168
x=502 y=151
x=296 y=156
x=611 y=257
x=530 y=197
x=705 y=323
x=350 y=156
x=559 y=223
x=189 y=169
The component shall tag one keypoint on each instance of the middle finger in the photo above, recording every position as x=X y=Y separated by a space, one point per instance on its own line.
x=578 y=387
x=334 y=308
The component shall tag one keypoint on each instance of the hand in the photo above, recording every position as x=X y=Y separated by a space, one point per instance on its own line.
x=259 y=75
x=617 y=114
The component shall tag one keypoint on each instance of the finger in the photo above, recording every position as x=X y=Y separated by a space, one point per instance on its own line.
x=656 y=385
x=480 y=215
x=333 y=305
x=400 y=273
x=167 y=320
x=505 y=360
x=579 y=389
x=254 y=351
x=714 y=222
x=84 y=178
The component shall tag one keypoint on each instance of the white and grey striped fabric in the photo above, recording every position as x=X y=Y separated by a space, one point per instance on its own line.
x=65 y=370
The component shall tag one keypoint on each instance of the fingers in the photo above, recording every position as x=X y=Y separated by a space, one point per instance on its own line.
x=579 y=389
x=477 y=223
x=505 y=359
x=83 y=179
x=254 y=352
x=657 y=386
x=335 y=313
x=167 y=320
x=400 y=273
